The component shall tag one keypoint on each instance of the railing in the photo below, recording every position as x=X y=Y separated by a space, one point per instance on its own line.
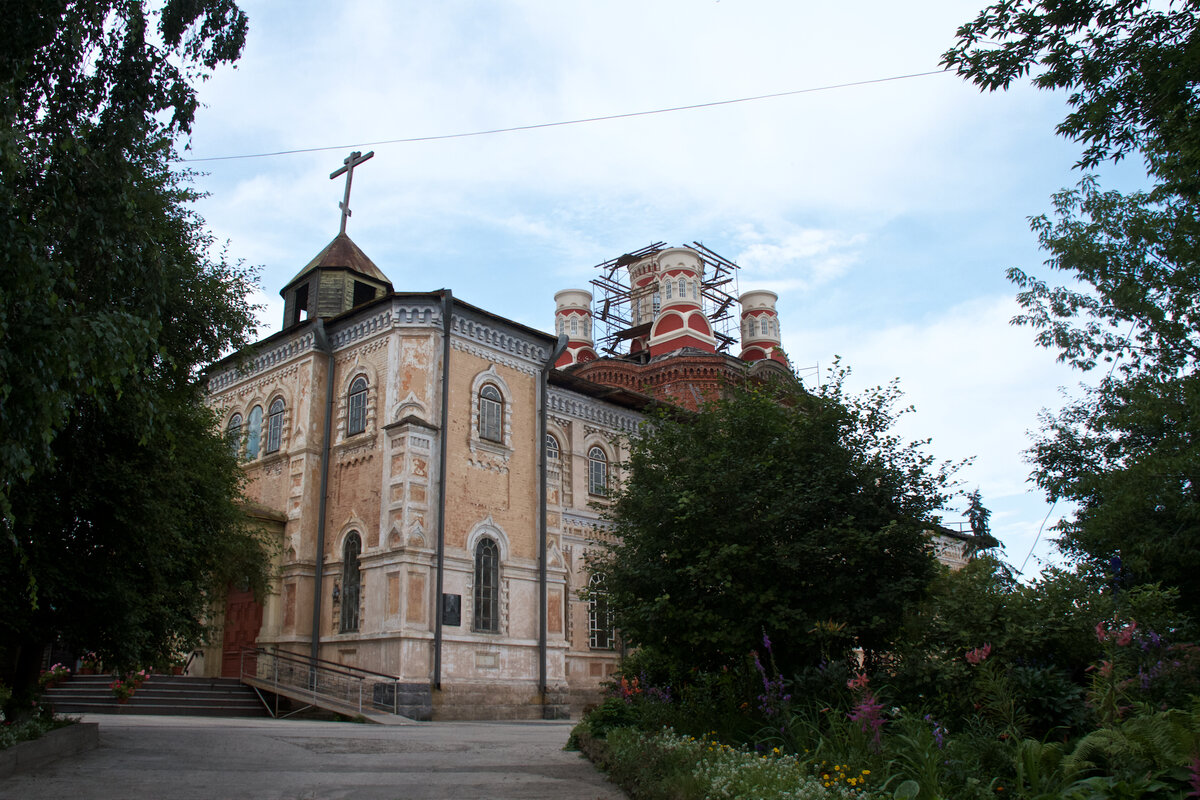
x=321 y=682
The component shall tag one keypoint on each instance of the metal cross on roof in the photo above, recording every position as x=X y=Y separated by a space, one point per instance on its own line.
x=349 y=164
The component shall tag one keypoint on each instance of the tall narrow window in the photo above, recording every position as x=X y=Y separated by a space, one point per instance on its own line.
x=351 y=583
x=600 y=620
x=694 y=291
x=551 y=447
x=254 y=433
x=574 y=326
x=491 y=413
x=682 y=289
x=597 y=471
x=487 y=587
x=356 y=417
x=656 y=303
x=669 y=285
x=233 y=434
x=275 y=426
x=762 y=326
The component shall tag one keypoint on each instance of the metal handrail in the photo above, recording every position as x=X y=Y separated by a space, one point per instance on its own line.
x=315 y=677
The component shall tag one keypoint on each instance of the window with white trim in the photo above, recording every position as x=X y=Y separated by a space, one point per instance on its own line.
x=254 y=433
x=597 y=471
x=491 y=413
x=275 y=426
x=356 y=407
x=552 y=451
x=600 y=618
x=233 y=434
x=351 y=583
x=486 y=594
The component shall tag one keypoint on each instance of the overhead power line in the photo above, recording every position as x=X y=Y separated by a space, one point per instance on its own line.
x=561 y=123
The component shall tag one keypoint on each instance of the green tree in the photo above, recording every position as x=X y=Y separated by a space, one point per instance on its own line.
x=1126 y=453
x=770 y=511
x=120 y=523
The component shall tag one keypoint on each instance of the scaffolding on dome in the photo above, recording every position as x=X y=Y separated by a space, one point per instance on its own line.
x=611 y=303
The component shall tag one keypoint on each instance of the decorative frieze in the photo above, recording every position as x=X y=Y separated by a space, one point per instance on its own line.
x=496 y=340
x=260 y=363
x=350 y=334
x=589 y=410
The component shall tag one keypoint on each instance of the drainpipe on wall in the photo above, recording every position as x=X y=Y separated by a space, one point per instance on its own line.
x=447 y=310
x=543 y=391
x=322 y=345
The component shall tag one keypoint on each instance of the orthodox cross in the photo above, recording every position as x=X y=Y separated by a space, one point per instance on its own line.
x=349 y=164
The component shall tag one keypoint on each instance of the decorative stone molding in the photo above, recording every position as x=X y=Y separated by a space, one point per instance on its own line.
x=577 y=407
x=490 y=336
x=343 y=337
x=262 y=362
x=493 y=355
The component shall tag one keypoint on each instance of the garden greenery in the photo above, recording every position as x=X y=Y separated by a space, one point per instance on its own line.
x=1114 y=713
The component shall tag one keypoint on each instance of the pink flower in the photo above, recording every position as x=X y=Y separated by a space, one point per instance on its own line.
x=979 y=655
x=858 y=681
x=1126 y=634
x=1101 y=632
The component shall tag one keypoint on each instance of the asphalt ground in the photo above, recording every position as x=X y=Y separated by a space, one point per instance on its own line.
x=186 y=758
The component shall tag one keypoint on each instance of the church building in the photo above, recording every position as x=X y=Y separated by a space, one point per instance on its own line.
x=434 y=473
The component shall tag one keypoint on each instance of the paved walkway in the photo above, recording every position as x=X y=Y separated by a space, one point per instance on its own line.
x=195 y=758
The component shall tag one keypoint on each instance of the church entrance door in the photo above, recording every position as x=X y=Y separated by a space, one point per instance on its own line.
x=243 y=618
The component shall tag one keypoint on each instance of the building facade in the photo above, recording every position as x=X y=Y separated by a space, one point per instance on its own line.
x=434 y=474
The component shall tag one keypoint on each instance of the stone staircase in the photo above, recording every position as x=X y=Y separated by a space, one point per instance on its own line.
x=159 y=695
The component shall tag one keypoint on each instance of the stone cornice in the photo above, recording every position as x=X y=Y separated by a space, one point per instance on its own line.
x=584 y=408
x=262 y=362
x=484 y=337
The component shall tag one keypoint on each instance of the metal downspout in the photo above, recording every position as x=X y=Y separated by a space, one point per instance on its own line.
x=321 y=344
x=559 y=347
x=447 y=310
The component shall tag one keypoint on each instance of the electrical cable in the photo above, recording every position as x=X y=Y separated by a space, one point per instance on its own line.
x=561 y=123
x=1036 y=538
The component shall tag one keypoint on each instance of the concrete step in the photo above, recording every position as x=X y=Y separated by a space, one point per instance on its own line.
x=158 y=695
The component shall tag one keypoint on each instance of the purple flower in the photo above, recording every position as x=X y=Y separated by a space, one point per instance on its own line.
x=869 y=715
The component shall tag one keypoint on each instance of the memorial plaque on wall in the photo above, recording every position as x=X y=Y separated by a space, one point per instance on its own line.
x=452 y=609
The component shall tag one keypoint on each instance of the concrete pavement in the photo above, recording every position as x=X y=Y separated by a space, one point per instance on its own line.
x=196 y=758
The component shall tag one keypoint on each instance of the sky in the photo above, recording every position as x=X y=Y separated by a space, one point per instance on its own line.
x=884 y=214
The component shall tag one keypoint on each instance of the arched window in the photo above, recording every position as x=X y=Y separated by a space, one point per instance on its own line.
x=762 y=326
x=551 y=447
x=574 y=326
x=682 y=289
x=668 y=288
x=275 y=425
x=351 y=583
x=233 y=434
x=694 y=290
x=487 y=587
x=597 y=471
x=656 y=303
x=600 y=621
x=356 y=416
x=254 y=432
x=491 y=413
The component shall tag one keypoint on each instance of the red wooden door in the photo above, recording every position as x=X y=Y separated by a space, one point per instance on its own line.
x=243 y=618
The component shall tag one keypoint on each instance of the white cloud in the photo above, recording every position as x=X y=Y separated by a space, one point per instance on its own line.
x=977 y=383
